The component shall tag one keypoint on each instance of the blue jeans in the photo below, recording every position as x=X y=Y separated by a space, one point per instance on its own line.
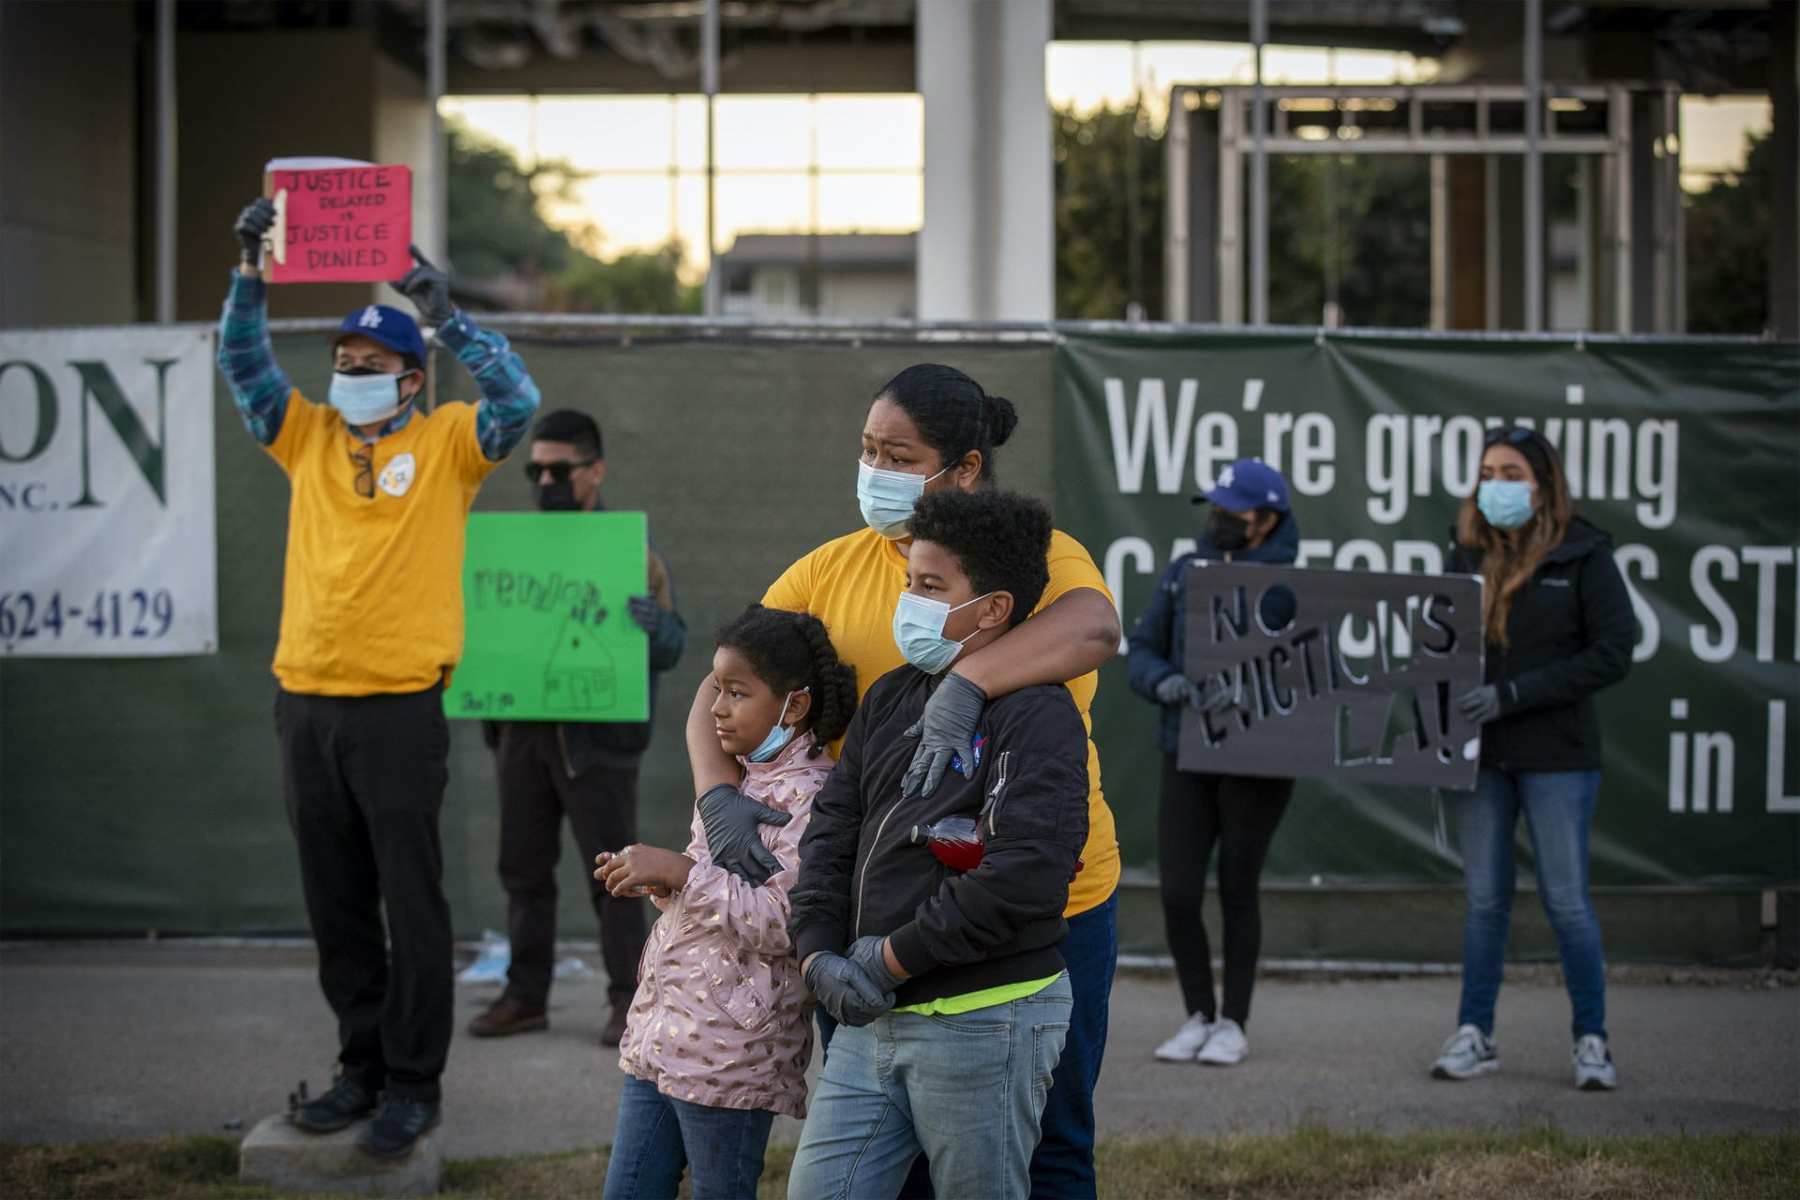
x=1063 y=1166
x=658 y=1135
x=1558 y=807
x=965 y=1090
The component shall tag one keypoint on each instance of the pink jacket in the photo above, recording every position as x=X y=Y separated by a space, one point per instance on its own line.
x=722 y=1016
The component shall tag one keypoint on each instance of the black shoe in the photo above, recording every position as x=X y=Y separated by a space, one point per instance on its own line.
x=348 y=1102
x=398 y=1125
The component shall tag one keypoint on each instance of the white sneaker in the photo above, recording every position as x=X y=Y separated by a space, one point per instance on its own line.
x=1187 y=1040
x=1467 y=1054
x=1594 y=1065
x=1227 y=1045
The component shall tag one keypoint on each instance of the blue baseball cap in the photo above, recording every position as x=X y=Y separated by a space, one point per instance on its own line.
x=1246 y=484
x=389 y=326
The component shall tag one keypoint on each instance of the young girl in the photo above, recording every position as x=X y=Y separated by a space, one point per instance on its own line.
x=718 y=1038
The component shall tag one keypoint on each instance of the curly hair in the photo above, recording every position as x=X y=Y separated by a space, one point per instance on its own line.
x=790 y=651
x=953 y=413
x=1001 y=540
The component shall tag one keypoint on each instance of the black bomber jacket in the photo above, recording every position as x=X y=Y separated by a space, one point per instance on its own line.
x=861 y=872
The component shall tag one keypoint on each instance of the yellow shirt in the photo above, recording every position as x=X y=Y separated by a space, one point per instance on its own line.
x=852 y=584
x=371 y=601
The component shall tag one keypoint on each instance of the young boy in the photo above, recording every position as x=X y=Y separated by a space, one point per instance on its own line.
x=951 y=996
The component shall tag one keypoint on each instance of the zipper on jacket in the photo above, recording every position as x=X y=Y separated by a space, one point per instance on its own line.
x=563 y=745
x=996 y=793
x=863 y=883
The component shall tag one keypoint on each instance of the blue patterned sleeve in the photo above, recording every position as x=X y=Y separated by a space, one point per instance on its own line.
x=508 y=396
x=258 y=384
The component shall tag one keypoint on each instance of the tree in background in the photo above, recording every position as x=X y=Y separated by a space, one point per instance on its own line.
x=1354 y=230
x=1109 y=214
x=506 y=254
x=1728 y=230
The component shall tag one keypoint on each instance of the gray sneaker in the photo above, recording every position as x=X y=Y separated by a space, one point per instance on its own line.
x=1187 y=1041
x=1468 y=1053
x=1594 y=1065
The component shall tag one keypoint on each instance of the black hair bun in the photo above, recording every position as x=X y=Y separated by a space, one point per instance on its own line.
x=1002 y=418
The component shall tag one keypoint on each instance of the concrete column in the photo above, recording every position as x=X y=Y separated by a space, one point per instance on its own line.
x=1784 y=98
x=987 y=249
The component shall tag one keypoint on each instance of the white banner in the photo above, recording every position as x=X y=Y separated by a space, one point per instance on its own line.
x=107 y=539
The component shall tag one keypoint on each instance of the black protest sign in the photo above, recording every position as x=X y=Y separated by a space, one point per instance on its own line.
x=1338 y=674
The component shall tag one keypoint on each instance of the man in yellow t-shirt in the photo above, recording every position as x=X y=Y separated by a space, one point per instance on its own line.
x=933 y=428
x=371 y=627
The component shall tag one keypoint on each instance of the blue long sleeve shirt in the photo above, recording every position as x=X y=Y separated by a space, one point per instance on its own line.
x=261 y=388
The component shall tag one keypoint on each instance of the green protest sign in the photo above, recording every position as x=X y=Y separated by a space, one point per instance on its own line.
x=546 y=633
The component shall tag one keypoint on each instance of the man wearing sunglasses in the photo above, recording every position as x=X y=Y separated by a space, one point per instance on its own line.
x=588 y=770
x=371 y=628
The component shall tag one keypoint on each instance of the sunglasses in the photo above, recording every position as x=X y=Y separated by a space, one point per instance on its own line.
x=1516 y=435
x=363 y=459
x=559 y=471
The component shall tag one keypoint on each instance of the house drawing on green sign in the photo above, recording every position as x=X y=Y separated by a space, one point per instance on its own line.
x=581 y=675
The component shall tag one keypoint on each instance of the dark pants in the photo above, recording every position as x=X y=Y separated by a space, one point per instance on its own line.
x=1063 y=1165
x=363 y=777
x=658 y=1136
x=536 y=790
x=1239 y=813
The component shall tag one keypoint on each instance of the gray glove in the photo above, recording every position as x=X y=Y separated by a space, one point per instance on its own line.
x=1215 y=695
x=252 y=225
x=845 y=990
x=730 y=819
x=1480 y=705
x=946 y=730
x=865 y=952
x=429 y=290
x=1174 y=689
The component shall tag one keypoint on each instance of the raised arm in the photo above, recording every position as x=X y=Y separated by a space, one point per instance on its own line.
x=259 y=387
x=508 y=395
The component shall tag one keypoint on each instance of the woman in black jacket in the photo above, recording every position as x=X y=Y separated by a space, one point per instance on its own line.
x=1559 y=627
x=1249 y=522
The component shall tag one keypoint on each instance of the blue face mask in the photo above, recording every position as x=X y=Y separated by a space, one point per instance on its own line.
x=365 y=399
x=919 y=631
x=887 y=498
x=778 y=737
x=1505 y=503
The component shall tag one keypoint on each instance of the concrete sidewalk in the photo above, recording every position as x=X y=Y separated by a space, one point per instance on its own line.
x=107 y=1041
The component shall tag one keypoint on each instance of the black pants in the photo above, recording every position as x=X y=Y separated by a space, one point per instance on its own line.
x=1239 y=813
x=364 y=780
x=536 y=790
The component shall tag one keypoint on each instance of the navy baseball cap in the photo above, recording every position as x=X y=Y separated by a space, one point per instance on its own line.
x=389 y=326
x=1246 y=484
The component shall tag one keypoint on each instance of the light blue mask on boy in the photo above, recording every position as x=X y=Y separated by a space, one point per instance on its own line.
x=365 y=399
x=779 y=735
x=1506 y=503
x=887 y=498
x=919 y=631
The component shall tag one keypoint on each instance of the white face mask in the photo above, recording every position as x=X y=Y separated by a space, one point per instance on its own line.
x=365 y=399
x=887 y=497
x=919 y=631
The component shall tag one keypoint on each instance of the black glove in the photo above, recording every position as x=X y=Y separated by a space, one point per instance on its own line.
x=647 y=613
x=1174 y=689
x=429 y=290
x=730 y=819
x=945 y=729
x=845 y=990
x=253 y=225
x=866 y=953
x=1480 y=705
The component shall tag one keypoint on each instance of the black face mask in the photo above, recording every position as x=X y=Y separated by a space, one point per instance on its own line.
x=557 y=496
x=1225 y=533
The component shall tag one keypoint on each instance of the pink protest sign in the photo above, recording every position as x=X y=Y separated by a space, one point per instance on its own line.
x=345 y=224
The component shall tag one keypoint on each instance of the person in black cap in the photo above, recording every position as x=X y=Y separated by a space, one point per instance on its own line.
x=371 y=628
x=588 y=770
x=1249 y=521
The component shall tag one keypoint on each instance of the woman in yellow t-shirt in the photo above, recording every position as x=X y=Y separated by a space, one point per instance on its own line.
x=932 y=427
